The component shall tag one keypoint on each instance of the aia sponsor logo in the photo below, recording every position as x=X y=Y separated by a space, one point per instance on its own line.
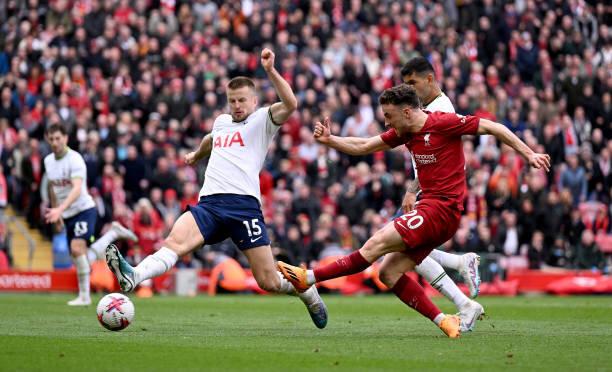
x=228 y=140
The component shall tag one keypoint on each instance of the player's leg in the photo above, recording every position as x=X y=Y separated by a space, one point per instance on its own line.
x=80 y=230
x=385 y=240
x=184 y=237
x=466 y=264
x=434 y=273
x=393 y=275
x=264 y=271
x=247 y=229
x=78 y=250
x=269 y=279
x=469 y=310
x=116 y=231
x=431 y=224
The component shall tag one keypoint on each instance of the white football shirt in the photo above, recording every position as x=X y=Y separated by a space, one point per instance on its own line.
x=238 y=154
x=60 y=173
x=441 y=103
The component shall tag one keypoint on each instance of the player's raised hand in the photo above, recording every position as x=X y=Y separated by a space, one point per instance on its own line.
x=322 y=131
x=267 y=59
x=539 y=161
x=191 y=158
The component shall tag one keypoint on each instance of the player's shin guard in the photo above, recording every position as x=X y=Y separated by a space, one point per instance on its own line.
x=82 y=268
x=347 y=265
x=413 y=295
x=436 y=276
x=155 y=265
x=447 y=260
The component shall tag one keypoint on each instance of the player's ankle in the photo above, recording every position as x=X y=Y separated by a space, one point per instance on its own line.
x=438 y=318
x=310 y=277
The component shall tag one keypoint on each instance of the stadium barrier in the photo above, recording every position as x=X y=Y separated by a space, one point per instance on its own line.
x=38 y=281
x=209 y=282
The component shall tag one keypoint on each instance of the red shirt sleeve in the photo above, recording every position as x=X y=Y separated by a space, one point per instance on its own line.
x=452 y=125
x=392 y=139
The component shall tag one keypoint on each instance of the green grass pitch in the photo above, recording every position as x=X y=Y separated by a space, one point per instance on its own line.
x=250 y=333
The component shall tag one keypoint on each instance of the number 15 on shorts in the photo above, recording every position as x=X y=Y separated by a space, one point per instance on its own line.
x=253 y=229
x=410 y=220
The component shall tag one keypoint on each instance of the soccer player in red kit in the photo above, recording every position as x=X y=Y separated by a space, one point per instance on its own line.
x=435 y=141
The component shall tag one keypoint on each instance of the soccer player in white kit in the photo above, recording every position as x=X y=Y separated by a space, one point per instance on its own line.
x=230 y=199
x=72 y=204
x=419 y=74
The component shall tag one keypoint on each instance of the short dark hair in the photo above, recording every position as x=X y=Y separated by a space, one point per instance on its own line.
x=402 y=94
x=418 y=65
x=239 y=82
x=56 y=128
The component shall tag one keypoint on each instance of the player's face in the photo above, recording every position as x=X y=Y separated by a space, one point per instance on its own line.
x=420 y=83
x=242 y=102
x=58 y=142
x=396 y=117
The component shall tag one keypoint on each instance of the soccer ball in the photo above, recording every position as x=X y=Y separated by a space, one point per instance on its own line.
x=115 y=311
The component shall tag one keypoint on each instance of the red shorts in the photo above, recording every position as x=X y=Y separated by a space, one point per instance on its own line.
x=431 y=223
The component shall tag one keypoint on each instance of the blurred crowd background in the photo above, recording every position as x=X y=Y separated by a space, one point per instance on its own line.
x=139 y=83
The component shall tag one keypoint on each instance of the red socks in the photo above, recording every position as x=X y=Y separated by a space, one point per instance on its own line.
x=347 y=265
x=412 y=294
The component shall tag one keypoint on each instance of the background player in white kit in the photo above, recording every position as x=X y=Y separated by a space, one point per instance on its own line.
x=230 y=198
x=71 y=202
x=419 y=74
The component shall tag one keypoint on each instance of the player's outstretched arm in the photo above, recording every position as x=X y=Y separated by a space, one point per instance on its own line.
x=288 y=103
x=347 y=145
x=506 y=136
x=203 y=151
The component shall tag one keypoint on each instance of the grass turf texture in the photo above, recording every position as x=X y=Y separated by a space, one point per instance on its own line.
x=39 y=332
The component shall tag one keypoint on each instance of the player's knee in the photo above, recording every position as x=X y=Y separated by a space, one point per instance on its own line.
x=173 y=244
x=389 y=276
x=268 y=282
x=375 y=246
x=78 y=249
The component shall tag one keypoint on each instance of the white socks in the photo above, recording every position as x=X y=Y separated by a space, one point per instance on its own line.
x=82 y=268
x=447 y=260
x=436 y=276
x=309 y=297
x=285 y=286
x=99 y=246
x=310 y=277
x=155 y=265
x=438 y=319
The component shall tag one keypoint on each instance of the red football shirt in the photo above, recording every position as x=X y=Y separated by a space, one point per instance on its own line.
x=438 y=153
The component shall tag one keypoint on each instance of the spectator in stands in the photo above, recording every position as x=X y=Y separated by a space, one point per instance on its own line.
x=148 y=226
x=3 y=192
x=508 y=234
x=536 y=252
x=587 y=254
x=574 y=179
x=138 y=83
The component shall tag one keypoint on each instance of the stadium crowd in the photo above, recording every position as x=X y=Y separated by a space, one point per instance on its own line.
x=138 y=83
